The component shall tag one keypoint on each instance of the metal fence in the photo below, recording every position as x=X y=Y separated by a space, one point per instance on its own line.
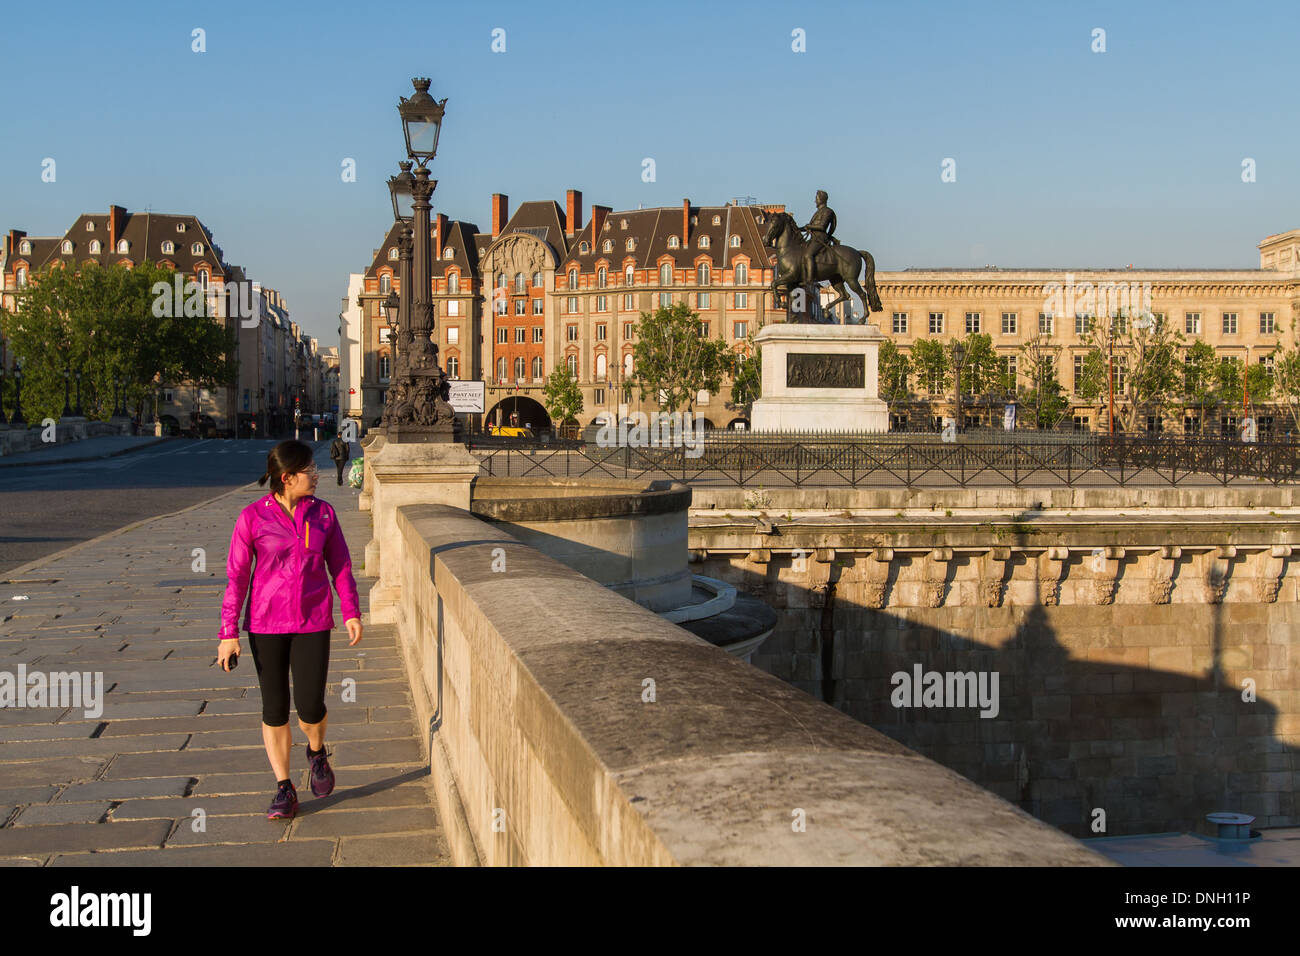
x=913 y=460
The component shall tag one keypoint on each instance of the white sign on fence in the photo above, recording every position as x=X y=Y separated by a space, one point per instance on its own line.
x=467 y=396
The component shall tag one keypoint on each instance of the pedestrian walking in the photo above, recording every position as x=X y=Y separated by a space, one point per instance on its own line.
x=340 y=451
x=293 y=543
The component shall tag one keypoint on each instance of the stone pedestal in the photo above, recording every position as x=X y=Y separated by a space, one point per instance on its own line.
x=370 y=443
x=405 y=474
x=820 y=378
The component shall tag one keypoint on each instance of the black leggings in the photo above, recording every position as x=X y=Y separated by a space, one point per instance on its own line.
x=308 y=655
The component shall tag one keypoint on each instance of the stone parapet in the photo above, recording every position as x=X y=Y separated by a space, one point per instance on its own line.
x=569 y=725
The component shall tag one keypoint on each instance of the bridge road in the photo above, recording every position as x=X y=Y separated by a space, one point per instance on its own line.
x=177 y=734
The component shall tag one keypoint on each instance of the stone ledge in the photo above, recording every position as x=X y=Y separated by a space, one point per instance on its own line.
x=540 y=711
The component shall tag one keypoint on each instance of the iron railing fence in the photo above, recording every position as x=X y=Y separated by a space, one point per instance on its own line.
x=900 y=460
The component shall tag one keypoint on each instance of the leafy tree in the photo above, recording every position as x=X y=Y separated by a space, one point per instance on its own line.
x=673 y=361
x=101 y=320
x=562 y=396
x=930 y=359
x=1147 y=373
x=1043 y=393
x=1286 y=381
x=1199 y=378
x=979 y=369
x=894 y=369
x=745 y=366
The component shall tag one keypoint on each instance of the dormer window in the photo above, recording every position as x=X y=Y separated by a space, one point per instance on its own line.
x=629 y=274
x=608 y=224
x=742 y=273
x=673 y=242
x=608 y=246
x=95 y=247
x=585 y=248
x=123 y=246
x=67 y=247
x=665 y=274
x=90 y=225
x=717 y=220
x=21 y=276
x=735 y=242
x=704 y=242
x=631 y=244
x=573 y=278
x=392 y=252
x=602 y=277
x=168 y=247
x=622 y=224
x=385 y=283
x=180 y=227
x=203 y=281
x=449 y=253
x=453 y=283
x=25 y=247
x=197 y=248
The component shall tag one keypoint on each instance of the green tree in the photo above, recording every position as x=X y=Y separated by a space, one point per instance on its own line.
x=979 y=369
x=102 y=321
x=562 y=396
x=1043 y=394
x=1286 y=381
x=745 y=366
x=930 y=359
x=673 y=361
x=895 y=370
x=1147 y=373
x=1199 y=378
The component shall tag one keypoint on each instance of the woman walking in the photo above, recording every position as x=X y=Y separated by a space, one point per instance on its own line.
x=298 y=546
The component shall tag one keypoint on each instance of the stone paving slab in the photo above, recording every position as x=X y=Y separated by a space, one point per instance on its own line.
x=177 y=734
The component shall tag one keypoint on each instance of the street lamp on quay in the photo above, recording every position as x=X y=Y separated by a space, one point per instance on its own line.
x=959 y=358
x=67 y=383
x=415 y=408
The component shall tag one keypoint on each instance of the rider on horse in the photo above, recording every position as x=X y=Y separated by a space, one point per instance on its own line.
x=821 y=229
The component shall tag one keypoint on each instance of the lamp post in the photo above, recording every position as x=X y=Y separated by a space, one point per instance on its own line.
x=78 y=376
x=414 y=406
x=959 y=358
x=1110 y=374
x=67 y=383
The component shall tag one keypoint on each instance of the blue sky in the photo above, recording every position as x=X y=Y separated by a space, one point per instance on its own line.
x=1064 y=157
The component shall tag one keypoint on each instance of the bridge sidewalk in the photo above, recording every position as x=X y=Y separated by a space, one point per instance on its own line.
x=173 y=772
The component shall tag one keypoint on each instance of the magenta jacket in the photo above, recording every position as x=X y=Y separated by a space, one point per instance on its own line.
x=290 y=584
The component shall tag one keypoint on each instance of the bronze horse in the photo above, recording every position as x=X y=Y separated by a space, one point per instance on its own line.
x=840 y=264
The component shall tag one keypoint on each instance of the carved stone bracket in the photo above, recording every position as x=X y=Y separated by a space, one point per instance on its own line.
x=877 y=577
x=1163 y=562
x=1217 y=572
x=1105 y=567
x=1272 y=569
x=1051 y=566
x=993 y=568
x=936 y=576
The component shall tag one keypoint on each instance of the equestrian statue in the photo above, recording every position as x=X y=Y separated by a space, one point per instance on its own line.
x=803 y=263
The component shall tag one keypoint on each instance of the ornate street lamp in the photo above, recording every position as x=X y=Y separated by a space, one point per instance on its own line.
x=402 y=189
x=421 y=121
x=959 y=358
x=415 y=406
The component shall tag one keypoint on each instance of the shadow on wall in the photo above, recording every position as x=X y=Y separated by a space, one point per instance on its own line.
x=1097 y=747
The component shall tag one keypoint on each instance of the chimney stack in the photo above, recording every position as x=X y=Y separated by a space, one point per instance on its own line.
x=598 y=216
x=439 y=234
x=116 y=223
x=500 y=212
x=686 y=223
x=573 y=212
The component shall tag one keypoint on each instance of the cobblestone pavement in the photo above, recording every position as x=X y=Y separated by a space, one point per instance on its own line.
x=173 y=771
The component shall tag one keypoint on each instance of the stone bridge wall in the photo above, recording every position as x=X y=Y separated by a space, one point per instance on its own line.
x=547 y=747
x=1125 y=626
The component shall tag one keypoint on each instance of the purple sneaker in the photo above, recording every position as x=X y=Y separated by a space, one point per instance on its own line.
x=285 y=804
x=322 y=776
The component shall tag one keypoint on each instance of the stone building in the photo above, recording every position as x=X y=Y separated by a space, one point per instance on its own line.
x=543 y=288
x=1244 y=314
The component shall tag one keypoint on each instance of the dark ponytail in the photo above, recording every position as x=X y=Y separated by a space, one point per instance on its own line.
x=287 y=458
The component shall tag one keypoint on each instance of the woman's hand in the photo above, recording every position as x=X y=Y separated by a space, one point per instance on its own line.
x=226 y=650
x=353 y=625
